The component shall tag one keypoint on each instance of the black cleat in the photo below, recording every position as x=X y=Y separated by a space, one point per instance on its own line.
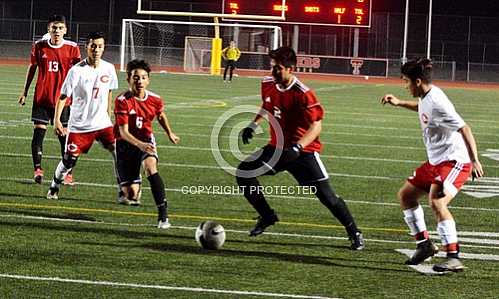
x=424 y=250
x=262 y=223
x=357 y=241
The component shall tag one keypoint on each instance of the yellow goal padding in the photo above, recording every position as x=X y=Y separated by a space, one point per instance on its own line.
x=216 y=56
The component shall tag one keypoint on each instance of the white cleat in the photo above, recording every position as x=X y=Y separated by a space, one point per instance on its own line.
x=53 y=193
x=164 y=224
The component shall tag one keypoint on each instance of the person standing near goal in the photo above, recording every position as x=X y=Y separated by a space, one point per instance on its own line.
x=53 y=57
x=90 y=84
x=134 y=111
x=452 y=158
x=231 y=55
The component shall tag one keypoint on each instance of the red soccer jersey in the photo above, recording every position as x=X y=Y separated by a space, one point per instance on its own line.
x=137 y=113
x=53 y=64
x=295 y=108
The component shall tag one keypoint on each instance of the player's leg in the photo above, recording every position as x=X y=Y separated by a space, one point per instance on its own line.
x=106 y=138
x=232 y=66
x=309 y=170
x=454 y=176
x=246 y=176
x=128 y=163
x=225 y=71
x=409 y=195
x=157 y=189
x=68 y=178
x=40 y=118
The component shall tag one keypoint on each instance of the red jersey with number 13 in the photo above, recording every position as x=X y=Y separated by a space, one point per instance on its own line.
x=295 y=108
x=137 y=113
x=53 y=64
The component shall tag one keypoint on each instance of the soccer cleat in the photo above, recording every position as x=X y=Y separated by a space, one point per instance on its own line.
x=134 y=202
x=68 y=179
x=122 y=200
x=164 y=224
x=53 y=193
x=357 y=241
x=451 y=265
x=262 y=223
x=38 y=176
x=424 y=250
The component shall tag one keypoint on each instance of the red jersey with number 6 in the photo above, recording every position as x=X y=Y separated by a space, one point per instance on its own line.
x=53 y=64
x=295 y=108
x=137 y=113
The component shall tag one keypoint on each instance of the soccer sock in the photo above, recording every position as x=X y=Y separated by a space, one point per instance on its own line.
x=231 y=71
x=158 y=193
x=254 y=194
x=416 y=223
x=225 y=73
x=37 y=147
x=62 y=142
x=336 y=205
x=59 y=174
x=115 y=169
x=448 y=235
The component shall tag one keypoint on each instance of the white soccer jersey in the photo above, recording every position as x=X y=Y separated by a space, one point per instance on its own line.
x=440 y=124
x=89 y=89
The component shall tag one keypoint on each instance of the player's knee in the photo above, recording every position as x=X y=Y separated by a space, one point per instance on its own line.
x=326 y=194
x=69 y=161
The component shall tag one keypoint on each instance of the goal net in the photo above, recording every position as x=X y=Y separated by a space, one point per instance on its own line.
x=187 y=46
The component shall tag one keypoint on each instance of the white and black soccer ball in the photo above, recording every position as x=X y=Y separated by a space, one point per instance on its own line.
x=210 y=235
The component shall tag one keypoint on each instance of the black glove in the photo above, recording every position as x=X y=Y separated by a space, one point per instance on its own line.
x=291 y=153
x=247 y=134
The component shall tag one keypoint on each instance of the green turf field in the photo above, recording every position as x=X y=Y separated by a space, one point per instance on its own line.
x=85 y=245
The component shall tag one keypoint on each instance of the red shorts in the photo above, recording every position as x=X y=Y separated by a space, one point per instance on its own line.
x=77 y=143
x=450 y=174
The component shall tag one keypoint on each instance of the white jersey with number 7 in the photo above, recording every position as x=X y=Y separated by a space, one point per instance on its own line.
x=89 y=89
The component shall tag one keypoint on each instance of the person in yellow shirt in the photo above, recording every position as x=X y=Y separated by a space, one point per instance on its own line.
x=230 y=54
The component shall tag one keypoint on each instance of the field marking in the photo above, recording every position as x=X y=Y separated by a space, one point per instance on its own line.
x=158 y=287
x=193 y=228
x=462 y=255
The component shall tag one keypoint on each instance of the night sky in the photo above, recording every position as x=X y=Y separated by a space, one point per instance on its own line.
x=441 y=7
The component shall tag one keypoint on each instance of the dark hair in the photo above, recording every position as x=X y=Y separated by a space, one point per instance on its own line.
x=57 y=19
x=94 y=35
x=284 y=55
x=137 y=64
x=419 y=68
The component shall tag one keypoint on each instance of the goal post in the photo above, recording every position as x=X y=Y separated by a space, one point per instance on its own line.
x=178 y=46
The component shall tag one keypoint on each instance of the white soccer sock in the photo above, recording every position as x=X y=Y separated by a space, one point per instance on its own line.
x=415 y=220
x=60 y=171
x=447 y=232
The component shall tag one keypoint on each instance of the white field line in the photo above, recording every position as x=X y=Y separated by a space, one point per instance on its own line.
x=463 y=255
x=192 y=228
x=361 y=158
x=273 y=197
x=157 y=287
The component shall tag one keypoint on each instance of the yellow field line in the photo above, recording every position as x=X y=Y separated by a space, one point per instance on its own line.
x=91 y=210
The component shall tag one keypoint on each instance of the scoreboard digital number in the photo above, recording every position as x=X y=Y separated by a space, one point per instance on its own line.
x=351 y=13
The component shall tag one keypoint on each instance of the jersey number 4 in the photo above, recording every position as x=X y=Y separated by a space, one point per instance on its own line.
x=53 y=66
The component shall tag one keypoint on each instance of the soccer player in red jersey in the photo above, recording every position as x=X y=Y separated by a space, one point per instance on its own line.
x=53 y=57
x=135 y=111
x=299 y=121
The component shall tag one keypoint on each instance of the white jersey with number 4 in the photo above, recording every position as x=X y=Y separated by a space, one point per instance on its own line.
x=440 y=124
x=89 y=89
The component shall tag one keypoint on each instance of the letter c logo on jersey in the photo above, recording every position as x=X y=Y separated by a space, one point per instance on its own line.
x=72 y=147
x=425 y=118
x=104 y=79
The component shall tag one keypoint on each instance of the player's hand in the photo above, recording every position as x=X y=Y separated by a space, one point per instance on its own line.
x=247 y=134
x=22 y=100
x=477 y=171
x=174 y=138
x=291 y=153
x=147 y=147
x=59 y=129
x=390 y=99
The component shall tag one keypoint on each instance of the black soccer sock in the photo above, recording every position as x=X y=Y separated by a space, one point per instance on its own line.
x=225 y=72
x=253 y=192
x=37 y=147
x=62 y=142
x=158 y=193
x=231 y=71
x=336 y=206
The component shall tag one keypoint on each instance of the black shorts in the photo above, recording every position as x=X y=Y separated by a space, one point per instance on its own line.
x=307 y=169
x=45 y=115
x=129 y=160
x=230 y=63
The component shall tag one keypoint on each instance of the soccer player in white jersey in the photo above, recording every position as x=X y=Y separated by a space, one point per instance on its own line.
x=90 y=84
x=452 y=158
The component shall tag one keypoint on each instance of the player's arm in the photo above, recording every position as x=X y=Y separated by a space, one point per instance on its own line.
x=143 y=146
x=394 y=101
x=163 y=121
x=312 y=133
x=30 y=74
x=59 y=106
x=247 y=133
x=110 y=104
x=469 y=139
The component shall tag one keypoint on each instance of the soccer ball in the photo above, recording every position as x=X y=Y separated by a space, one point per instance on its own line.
x=210 y=235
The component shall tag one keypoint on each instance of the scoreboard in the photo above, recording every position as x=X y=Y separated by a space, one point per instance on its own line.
x=351 y=13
